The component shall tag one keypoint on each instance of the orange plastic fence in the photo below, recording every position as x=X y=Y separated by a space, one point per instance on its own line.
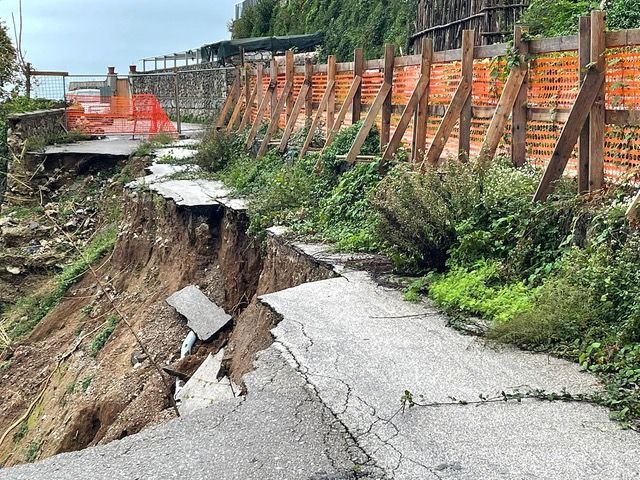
x=140 y=114
x=553 y=87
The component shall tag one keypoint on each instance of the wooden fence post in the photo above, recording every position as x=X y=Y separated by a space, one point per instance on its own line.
x=519 y=112
x=468 y=44
x=290 y=75
x=422 y=113
x=358 y=71
x=584 y=59
x=259 y=80
x=308 y=105
x=331 y=105
x=597 y=117
x=387 y=107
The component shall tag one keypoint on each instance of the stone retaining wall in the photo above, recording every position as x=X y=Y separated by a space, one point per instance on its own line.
x=202 y=89
x=20 y=127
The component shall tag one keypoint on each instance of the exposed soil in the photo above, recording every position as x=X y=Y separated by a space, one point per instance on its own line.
x=161 y=248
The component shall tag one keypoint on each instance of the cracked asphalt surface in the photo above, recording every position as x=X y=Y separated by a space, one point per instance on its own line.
x=326 y=396
x=280 y=431
x=360 y=346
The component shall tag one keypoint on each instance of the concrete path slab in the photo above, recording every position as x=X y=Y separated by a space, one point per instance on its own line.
x=204 y=389
x=281 y=431
x=203 y=316
x=117 y=146
x=159 y=172
x=188 y=192
x=360 y=346
x=177 y=153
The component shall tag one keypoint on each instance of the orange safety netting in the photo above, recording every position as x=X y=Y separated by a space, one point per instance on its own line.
x=552 y=90
x=140 y=114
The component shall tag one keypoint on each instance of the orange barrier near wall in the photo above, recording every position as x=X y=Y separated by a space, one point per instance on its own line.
x=139 y=114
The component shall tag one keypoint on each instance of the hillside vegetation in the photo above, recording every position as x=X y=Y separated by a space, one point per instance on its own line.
x=347 y=24
x=369 y=24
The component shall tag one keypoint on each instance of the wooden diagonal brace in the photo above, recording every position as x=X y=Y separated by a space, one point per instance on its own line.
x=275 y=119
x=231 y=96
x=632 y=211
x=346 y=106
x=261 y=109
x=501 y=115
x=449 y=121
x=385 y=91
x=247 y=113
x=407 y=115
x=293 y=118
x=236 y=112
x=589 y=91
x=316 y=119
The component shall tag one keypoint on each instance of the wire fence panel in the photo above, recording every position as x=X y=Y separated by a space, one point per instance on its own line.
x=49 y=87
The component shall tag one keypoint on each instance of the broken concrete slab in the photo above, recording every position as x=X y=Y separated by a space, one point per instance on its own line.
x=360 y=347
x=191 y=193
x=115 y=146
x=187 y=142
x=204 y=389
x=177 y=153
x=203 y=316
x=339 y=262
x=159 y=172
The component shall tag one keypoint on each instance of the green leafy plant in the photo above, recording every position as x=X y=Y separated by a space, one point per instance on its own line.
x=103 y=335
x=86 y=383
x=479 y=291
x=32 y=452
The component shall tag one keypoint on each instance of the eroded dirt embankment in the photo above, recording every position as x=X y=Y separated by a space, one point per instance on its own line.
x=105 y=392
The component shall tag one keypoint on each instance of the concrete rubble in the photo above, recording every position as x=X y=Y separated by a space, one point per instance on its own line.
x=203 y=316
x=204 y=389
x=115 y=146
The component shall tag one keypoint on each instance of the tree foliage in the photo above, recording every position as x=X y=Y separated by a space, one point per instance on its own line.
x=8 y=64
x=552 y=18
x=346 y=24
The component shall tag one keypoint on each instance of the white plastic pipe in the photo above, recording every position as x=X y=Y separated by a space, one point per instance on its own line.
x=187 y=346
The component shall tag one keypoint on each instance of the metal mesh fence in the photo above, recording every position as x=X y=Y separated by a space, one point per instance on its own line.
x=50 y=87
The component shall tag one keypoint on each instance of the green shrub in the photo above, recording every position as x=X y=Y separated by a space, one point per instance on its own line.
x=418 y=213
x=347 y=218
x=553 y=18
x=479 y=291
x=622 y=14
x=561 y=313
x=218 y=149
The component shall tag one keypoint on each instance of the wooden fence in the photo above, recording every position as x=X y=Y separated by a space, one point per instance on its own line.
x=444 y=20
x=535 y=102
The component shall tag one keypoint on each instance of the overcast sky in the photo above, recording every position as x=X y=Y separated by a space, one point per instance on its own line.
x=86 y=36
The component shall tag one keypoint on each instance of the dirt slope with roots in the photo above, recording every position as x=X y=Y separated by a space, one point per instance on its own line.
x=106 y=388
